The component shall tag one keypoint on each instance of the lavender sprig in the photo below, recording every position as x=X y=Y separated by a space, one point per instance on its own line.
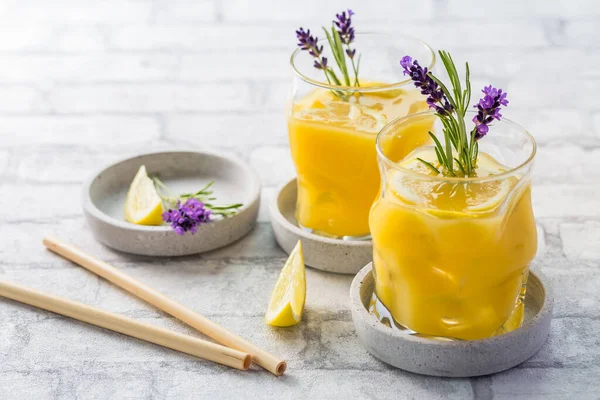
x=451 y=109
x=186 y=211
x=340 y=37
x=346 y=32
x=308 y=42
x=436 y=98
x=488 y=109
x=187 y=216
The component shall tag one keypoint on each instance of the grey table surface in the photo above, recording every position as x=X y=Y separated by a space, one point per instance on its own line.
x=85 y=83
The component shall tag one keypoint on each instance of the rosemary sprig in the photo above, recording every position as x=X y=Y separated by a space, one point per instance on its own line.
x=458 y=155
x=203 y=195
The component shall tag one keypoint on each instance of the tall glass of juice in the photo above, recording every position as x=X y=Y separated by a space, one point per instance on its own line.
x=451 y=255
x=332 y=132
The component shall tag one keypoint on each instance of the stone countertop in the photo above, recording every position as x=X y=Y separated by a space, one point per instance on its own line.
x=85 y=83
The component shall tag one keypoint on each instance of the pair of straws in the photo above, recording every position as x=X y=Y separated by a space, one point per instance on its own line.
x=236 y=352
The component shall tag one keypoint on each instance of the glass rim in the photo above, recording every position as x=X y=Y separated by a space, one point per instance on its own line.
x=354 y=89
x=511 y=171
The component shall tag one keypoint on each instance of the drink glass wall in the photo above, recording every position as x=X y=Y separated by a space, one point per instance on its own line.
x=332 y=131
x=451 y=255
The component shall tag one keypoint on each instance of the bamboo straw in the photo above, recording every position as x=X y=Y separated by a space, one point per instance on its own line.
x=118 y=323
x=164 y=303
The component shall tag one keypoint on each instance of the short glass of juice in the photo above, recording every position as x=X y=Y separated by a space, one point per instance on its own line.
x=332 y=132
x=451 y=254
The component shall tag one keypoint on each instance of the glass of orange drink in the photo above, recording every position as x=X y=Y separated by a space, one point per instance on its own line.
x=332 y=133
x=450 y=254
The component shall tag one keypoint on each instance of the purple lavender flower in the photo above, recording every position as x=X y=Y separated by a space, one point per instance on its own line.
x=436 y=98
x=345 y=29
x=308 y=42
x=187 y=216
x=322 y=64
x=488 y=109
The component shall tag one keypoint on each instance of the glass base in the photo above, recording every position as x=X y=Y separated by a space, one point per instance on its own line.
x=330 y=236
x=514 y=321
x=381 y=312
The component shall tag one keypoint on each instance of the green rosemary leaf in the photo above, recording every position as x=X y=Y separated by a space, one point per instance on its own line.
x=472 y=142
x=440 y=156
x=462 y=169
x=238 y=205
x=332 y=77
x=339 y=58
x=355 y=69
x=358 y=68
x=332 y=47
x=208 y=185
x=449 y=123
x=341 y=54
x=448 y=67
x=445 y=90
x=335 y=92
x=454 y=78
x=439 y=150
x=334 y=80
x=429 y=165
x=449 y=152
x=467 y=101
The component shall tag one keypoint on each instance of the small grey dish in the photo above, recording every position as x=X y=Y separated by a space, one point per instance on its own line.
x=453 y=358
x=183 y=171
x=332 y=255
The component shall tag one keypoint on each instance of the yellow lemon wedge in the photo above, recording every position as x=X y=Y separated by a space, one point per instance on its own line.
x=446 y=199
x=488 y=196
x=289 y=295
x=143 y=205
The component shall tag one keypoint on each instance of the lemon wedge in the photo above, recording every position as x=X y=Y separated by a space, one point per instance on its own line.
x=489 y=195
x=289 y=295
x=445 y=199
x=143 y=205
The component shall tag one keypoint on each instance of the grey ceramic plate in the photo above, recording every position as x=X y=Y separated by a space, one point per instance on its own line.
x=453 y=358
x=183 y=171
x=333 y=255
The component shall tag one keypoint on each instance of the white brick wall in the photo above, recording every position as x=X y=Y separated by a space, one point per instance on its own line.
x=253 y=129
x=193 y=37
x=154 y=98
x=522 y=9
x=25 y=35
x=227 y=65
x=21 y=99
x=46 y=69
x=319 y=11
x=582 y=34
x=109 y=131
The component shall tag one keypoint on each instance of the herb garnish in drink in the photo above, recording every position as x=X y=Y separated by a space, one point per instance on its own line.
x=340 y=36
x=458 y=156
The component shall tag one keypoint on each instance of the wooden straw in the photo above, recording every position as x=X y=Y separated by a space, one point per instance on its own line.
x=114 y=322
x=159 y=300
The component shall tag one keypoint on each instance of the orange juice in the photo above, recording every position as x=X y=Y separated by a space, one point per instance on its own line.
x=332 y=142
x=451 y=257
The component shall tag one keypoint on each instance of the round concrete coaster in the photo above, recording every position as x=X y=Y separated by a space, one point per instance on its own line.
x=453 y=358
x=183 y=171
x=333 y=255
